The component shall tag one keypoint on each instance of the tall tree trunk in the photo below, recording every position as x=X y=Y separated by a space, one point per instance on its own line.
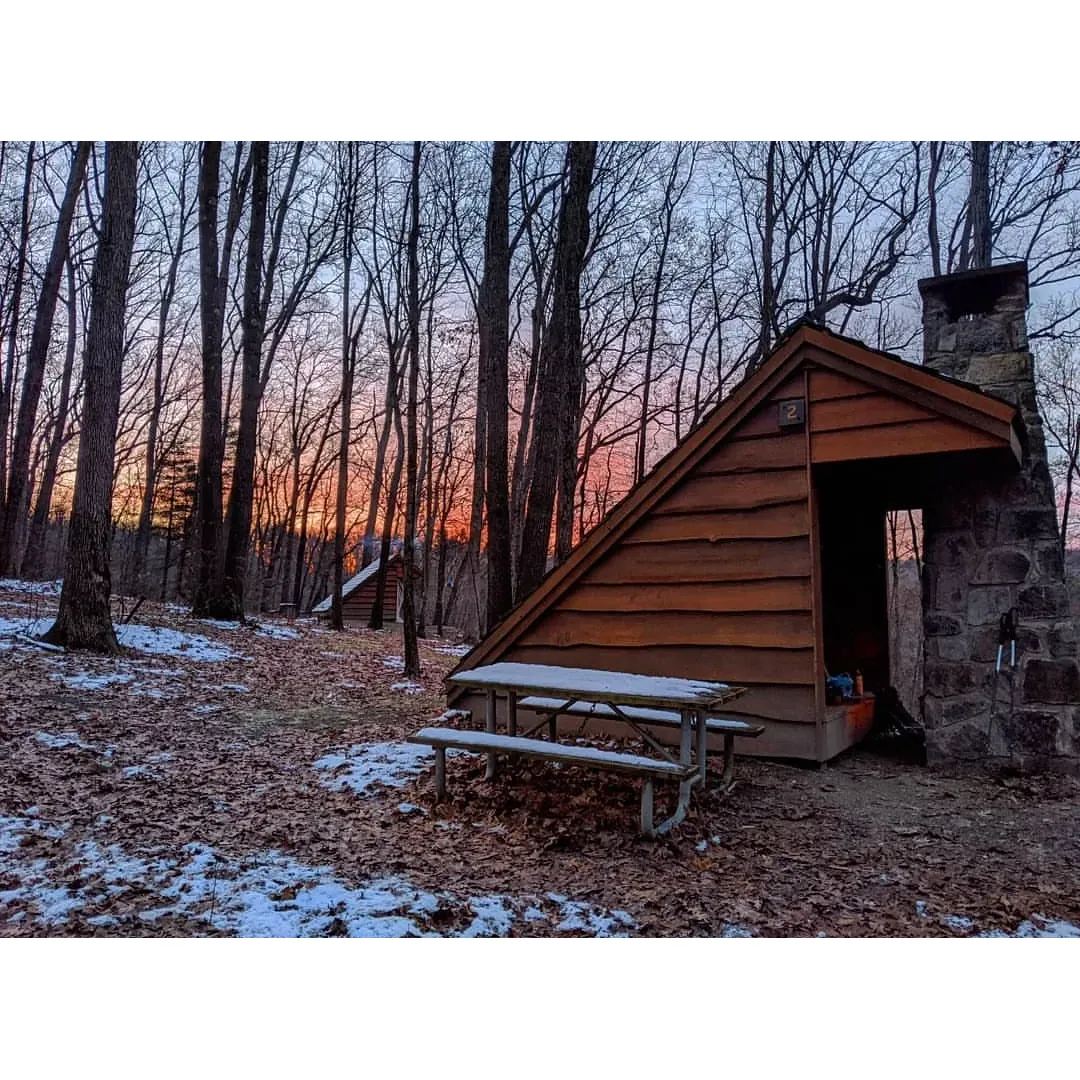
x=34 y=375
x=937 y=152
x=560 y=364
x=34 y=563
x=408 y=606
x=348 y=364
x=241 y=494
x=213 y=285
x=768 y=297
x=83 y=619
x=494 y=326
x=979 y=205
x=146 y=511
x=7 y=376
x=211 y=443
x=440 y=582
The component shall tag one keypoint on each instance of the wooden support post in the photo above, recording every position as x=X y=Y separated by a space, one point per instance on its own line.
x=440 y=773
x=702 y=744
x=647 y=829
x=553 y=727
x=490 y=773
x=511 y=712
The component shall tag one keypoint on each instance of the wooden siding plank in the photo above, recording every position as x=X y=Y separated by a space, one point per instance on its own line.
x=775 y=452
x=832 y=386
x=699 y=560
x=896 y=440
x=736 y=665
x=736 y=491
x=774 y=630
x=873 y=410
x=764 y=523
x=777 y=594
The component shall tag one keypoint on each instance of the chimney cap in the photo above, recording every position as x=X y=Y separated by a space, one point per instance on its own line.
x=976 y=290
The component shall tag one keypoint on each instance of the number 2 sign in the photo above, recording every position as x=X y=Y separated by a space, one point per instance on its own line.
x=792 y=412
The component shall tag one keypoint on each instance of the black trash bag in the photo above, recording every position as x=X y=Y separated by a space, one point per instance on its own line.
x=896 y=733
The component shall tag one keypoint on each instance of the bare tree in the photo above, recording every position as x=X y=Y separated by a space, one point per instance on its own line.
x=33 y=377
x=408 y=607
x=494 y=333
x=230 y=603
x=83 y=619
x=560 y=375
x=213 y=283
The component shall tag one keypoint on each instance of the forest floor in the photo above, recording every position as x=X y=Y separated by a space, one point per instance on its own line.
x=253 y=780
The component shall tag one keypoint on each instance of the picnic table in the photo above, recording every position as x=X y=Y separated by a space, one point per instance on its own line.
x=641 y=702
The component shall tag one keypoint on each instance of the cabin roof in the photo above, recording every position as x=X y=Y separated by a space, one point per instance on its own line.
x=803 y=343
x=353 y=584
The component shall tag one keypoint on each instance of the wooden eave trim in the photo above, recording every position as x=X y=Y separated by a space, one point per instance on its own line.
x=936 y=385
x=992 y=424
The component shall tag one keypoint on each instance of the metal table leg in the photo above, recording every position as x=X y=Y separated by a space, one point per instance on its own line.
x=685 y=786
x=702 y=744
x=490 y=773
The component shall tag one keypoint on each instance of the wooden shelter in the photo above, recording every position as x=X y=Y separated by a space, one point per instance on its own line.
x=755 y=552
x=359 y=592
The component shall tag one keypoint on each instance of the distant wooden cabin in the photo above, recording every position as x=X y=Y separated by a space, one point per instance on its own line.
x=755 y=552
x=359 y=592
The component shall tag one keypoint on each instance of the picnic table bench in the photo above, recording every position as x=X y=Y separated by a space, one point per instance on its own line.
x=640 y=701
x=729 y=728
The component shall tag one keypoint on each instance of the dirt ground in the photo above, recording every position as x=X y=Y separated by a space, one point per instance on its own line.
x=114 y=772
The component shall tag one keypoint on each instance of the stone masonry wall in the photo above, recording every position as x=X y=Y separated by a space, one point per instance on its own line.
x=993 y=546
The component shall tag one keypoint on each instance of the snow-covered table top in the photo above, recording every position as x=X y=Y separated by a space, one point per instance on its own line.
x=589 y=684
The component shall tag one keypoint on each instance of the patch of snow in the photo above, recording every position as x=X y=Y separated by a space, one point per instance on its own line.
x=395 y=663
x=408 y=686
x=702 y=845
x=408 y=808
x=148 y=769
x=361 y=767
x=920 y=909
x=85 y=681
x=164 y=641
x=32 y=588
x=279 y=633
x=25 y=628
x=222 y=624
x=577 y=915
x=62 y=741
x=1038 y=926
x=957 y=922
x=492 y=917
x=204 y=709
x=454 y=650
x=451 y=716
x=236 y=688
x=269 y=894
x=733 y=930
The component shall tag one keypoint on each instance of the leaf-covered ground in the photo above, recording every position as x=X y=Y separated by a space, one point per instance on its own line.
x=254 y=780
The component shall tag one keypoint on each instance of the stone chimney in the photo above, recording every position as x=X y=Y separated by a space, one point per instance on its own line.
x=991 y=544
